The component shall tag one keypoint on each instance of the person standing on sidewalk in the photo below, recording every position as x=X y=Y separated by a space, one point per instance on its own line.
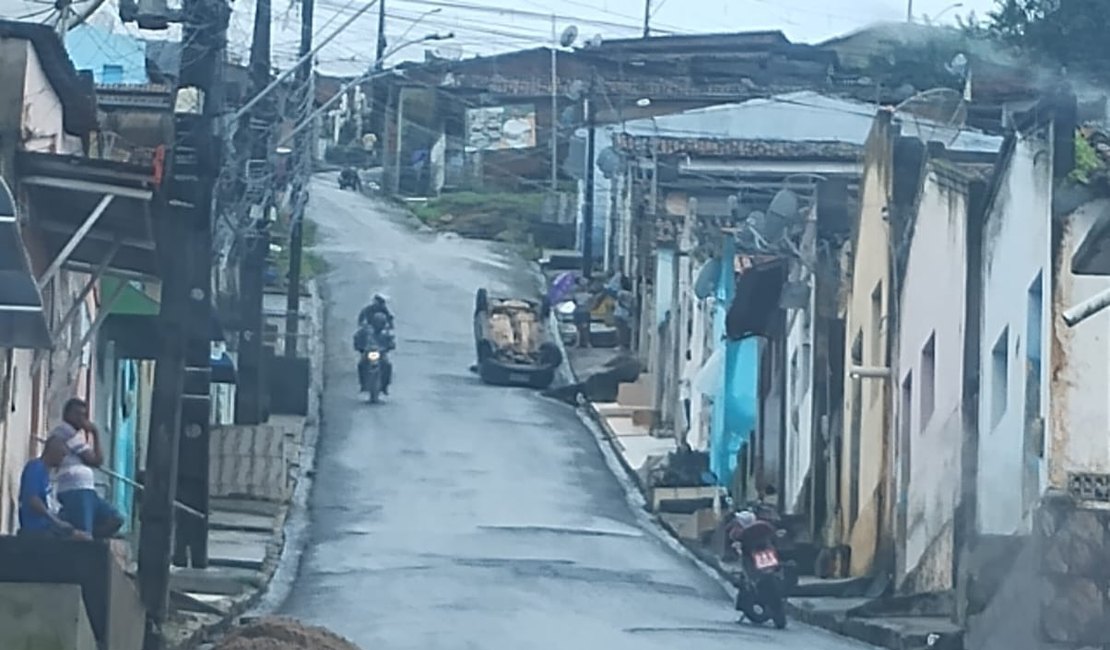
x=82 y=507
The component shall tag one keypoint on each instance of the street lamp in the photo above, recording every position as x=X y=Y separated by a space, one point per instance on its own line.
x=909 y=11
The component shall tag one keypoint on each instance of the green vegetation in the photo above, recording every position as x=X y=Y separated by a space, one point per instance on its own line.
x=312 y=264
x=501 y=216
x=1069 y=33
x=1087 y=161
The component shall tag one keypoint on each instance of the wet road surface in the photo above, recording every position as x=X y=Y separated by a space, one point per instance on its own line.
x=456 y=515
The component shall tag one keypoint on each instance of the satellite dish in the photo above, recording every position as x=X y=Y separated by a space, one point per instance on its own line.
x=609 y=162
x=577 y=88
x=785 y=205
x=570 y=35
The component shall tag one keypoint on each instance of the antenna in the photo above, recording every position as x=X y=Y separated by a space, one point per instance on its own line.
x=938 y=114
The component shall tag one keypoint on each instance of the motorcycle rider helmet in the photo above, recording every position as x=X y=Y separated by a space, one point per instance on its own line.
x=379 y=299
x=745 y=518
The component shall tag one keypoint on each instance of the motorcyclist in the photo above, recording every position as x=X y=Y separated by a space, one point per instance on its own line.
x=376 y=306
x=375 y=332
x=751 y=534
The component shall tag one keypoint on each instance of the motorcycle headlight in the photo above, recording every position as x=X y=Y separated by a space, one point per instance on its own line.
x=566 y=308
x=374 y=356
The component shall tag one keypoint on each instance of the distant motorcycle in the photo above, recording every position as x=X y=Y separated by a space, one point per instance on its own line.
x=349 y=180
x=371 y=370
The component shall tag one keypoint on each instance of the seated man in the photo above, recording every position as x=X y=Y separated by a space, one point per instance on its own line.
x=82 y=507
x=36 y=519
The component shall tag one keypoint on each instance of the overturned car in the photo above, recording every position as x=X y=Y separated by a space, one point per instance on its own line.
x=512 y=342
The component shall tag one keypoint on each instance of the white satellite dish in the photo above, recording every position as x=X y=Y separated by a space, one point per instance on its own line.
x=570 y=35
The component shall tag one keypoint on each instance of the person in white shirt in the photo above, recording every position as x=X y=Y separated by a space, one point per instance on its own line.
x=82 y=507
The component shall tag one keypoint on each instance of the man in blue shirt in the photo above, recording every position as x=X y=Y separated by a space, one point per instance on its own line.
x=35 y=516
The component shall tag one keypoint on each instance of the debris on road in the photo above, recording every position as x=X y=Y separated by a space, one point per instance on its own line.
x=282 y=634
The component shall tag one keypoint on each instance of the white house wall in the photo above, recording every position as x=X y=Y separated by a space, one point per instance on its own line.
x=799 y=402
x=930 y=371
x=1016 y=247
x=42 y=112
x=1080 y=420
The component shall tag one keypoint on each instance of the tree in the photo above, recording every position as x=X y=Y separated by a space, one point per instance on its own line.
x=1071 y=33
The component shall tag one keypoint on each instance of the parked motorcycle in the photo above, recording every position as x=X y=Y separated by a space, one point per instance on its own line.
x=371 y=371
x=762 y=594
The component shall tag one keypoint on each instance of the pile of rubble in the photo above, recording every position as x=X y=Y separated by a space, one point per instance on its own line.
x=282 y=634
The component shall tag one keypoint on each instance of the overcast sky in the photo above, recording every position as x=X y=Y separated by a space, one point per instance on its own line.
x=489 y=26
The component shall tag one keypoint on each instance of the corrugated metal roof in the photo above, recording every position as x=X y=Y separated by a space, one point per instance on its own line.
x=805 y=116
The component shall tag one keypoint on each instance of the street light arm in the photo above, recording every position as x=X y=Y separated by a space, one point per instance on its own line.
x=373 y=74
x=293 y=68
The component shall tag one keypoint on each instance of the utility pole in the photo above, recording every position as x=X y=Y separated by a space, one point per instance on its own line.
x=379 y=90
x=185 y=234
x=554 y=114
x=647 y=18
x=379 y=56
x=588 y=199
x=249 y=395
x=302 y=161
x=909 y=11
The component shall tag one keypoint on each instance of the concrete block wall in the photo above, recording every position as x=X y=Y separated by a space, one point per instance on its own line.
x=44 y=617
x=1075 y=574
x=249 y=462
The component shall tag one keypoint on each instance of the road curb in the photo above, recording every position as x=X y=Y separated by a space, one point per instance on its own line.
x=626 y=475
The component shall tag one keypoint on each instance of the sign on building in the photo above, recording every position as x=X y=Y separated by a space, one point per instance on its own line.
x=496 y=128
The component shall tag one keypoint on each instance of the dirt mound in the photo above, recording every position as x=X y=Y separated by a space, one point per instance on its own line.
x=282 y=634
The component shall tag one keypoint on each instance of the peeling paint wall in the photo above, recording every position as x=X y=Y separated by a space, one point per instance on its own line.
x=1016 y=246
x=929 y=387
x=1080 y=415
x=866 y=331
x=42 y=112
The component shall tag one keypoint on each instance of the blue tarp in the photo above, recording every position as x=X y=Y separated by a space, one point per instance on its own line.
x=734 y=410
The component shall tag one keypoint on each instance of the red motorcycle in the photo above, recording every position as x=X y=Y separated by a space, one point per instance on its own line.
x=762 y=593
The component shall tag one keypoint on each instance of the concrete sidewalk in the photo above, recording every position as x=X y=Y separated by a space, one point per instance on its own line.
x=254 y=471
x=830 y=605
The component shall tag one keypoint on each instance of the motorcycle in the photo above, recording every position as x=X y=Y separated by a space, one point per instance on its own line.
x=349 y=180
x=762 y=596
x=371 y=370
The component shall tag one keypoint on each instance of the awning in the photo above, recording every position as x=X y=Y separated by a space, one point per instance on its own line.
x=22 y=319
x=87 y=210
x=132 y=301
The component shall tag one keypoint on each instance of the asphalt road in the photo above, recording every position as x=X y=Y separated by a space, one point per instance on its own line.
x=456 y=515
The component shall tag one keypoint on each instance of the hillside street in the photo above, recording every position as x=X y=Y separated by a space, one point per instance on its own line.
x=454 y=514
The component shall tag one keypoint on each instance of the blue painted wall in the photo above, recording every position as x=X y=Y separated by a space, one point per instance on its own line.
x=113 y=58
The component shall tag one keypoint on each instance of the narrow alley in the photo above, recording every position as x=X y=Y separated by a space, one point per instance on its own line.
x=457 y=515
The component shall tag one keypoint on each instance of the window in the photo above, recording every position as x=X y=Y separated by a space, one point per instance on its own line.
x=111 y=74
x=876 y=352
x=907 y=405
x=876 y=325
x=928 y=379
x=1000 y=376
